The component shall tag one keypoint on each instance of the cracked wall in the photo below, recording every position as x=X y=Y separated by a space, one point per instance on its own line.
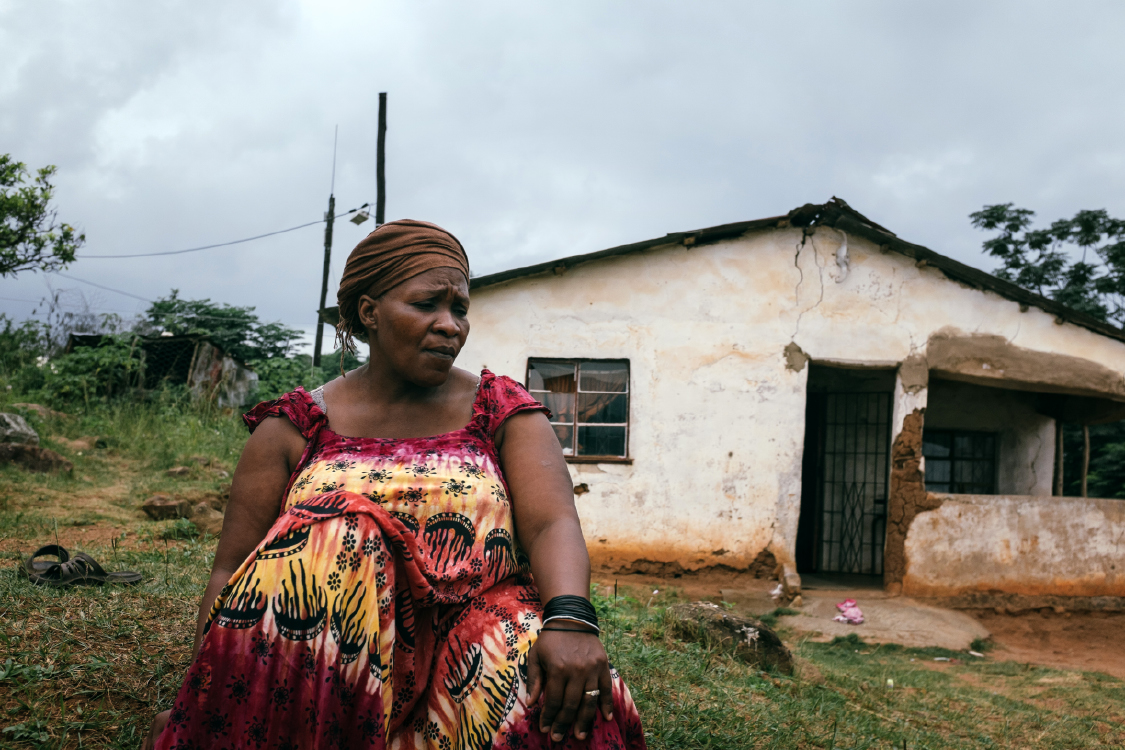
x=1032 y=546
x=719 y=337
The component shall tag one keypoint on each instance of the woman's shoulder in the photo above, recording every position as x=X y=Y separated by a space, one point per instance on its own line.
x=298 y=406
x=500 y=397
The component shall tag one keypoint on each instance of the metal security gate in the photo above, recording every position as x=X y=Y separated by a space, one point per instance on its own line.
x=854 y=472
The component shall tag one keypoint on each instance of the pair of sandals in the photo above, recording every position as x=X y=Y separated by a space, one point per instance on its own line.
x=65 y=571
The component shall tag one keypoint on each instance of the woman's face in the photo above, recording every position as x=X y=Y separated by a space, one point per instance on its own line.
x=419 y=326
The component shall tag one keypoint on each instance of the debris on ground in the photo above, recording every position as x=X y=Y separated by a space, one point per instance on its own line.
x=164 y=507
x=85 y=443
x=178 y=471
x=40 y=410
x=748 y=639
x=849 y=612
x=34 y=458
x=15 y=429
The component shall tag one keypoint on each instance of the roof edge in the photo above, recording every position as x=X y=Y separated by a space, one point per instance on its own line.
x=836 y=213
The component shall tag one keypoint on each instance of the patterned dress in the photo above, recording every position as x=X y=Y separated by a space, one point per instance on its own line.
x=389 y=606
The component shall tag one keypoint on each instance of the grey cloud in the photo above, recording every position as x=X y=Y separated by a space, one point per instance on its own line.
x=534 y=131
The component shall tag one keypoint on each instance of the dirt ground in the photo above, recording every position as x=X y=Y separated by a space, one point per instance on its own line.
x=1088 y=641
x=1085 y=641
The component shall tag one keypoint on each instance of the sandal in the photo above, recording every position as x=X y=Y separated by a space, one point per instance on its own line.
x=82 y=569
x=31 y=567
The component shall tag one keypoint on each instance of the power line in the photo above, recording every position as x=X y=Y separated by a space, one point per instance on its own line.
x=221 y=244
x=107 y=288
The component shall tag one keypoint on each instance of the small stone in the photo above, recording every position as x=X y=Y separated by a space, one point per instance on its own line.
x=79 y=444
x=751 y=640
x=33 y=458
x=39 y=409
x=15 y=429
x=207 y=519
x=178 y=471
x=163 y=507
x=797 y=601
x=1060 y=610
x=221 y=473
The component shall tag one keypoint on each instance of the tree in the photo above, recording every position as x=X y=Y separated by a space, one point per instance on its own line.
x=235 y=330
x=1043 y=259
x=30 y=238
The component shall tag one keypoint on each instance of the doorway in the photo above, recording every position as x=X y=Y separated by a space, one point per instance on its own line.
x=845 y=471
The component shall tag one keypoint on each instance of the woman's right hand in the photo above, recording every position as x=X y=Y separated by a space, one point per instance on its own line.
x=158 y=723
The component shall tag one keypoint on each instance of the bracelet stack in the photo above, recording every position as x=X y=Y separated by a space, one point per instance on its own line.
x=574 y=608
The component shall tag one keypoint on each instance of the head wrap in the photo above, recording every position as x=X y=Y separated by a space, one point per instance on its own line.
x=394 y=252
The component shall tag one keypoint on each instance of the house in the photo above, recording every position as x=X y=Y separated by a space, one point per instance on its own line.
x=814 y=391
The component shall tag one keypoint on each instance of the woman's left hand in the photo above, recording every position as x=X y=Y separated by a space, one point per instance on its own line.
x=563 y=667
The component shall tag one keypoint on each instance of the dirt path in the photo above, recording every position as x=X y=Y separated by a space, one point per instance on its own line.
x=1087 y=641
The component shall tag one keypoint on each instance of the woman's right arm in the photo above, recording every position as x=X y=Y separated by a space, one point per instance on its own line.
x=268 y=460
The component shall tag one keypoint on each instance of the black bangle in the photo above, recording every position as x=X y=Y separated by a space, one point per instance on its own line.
x=570 y=607
x=567 y=630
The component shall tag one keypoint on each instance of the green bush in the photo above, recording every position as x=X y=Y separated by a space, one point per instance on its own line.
x=93 y=372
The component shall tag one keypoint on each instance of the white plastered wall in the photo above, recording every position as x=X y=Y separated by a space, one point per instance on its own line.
x=717 y=409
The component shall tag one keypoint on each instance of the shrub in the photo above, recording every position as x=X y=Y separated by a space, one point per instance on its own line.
x=93 y=372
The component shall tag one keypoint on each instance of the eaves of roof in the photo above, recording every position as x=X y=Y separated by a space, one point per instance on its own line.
x=838 y=214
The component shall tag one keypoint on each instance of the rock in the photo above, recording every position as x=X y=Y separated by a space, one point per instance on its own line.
x=33 y=458
x=207 y=519
x=218 y=502
x=39 y=409
x=80 y=444
x=15 y=429
x=178 y=471
x=221 y=473
x=163 y=507
x=748 y=639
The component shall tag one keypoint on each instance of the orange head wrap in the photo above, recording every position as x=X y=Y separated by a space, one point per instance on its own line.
x=394 y=252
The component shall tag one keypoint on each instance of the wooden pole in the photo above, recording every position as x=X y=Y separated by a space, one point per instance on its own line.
x=330 y=218
x=1058 y=458
x=1085 y=457
x=381 y=161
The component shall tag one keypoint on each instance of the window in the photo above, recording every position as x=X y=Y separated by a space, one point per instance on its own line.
x=589 y=403
x=960 y=462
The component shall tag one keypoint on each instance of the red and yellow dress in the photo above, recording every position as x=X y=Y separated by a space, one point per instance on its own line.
x=390 y=606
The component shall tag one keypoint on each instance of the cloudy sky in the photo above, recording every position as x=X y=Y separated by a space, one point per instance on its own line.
x=536 y=130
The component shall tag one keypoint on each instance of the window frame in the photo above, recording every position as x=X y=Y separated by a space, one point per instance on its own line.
x=578 y=362
x=954 y=433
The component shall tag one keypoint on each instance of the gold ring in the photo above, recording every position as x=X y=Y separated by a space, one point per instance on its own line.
x=593 y=693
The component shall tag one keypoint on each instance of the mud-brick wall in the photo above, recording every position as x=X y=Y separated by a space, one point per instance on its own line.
x=1010 y=544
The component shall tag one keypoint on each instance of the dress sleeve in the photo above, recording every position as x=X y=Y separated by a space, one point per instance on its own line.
x=297 y=406
x=505 y=397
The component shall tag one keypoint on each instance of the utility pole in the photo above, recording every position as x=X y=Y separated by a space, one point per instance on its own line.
x=329 y=220
x=381 y=161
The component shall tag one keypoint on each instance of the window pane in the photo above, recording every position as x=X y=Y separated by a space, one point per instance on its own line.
x=602 y=407
x=604 y=376
x=560 y=404
x=601 y=441
x=963 y=446
x=550 y=376
x=936 y=444
x=937 y=470
x=565 y=434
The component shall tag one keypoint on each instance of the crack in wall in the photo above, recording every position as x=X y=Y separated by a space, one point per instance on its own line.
x=796 y=291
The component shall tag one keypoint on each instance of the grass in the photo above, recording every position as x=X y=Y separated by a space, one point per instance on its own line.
x=89 y=667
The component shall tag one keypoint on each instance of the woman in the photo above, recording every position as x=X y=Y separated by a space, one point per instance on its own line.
x=401 y=563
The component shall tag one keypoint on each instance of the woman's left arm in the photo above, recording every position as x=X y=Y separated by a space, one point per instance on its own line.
x=561 y=666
